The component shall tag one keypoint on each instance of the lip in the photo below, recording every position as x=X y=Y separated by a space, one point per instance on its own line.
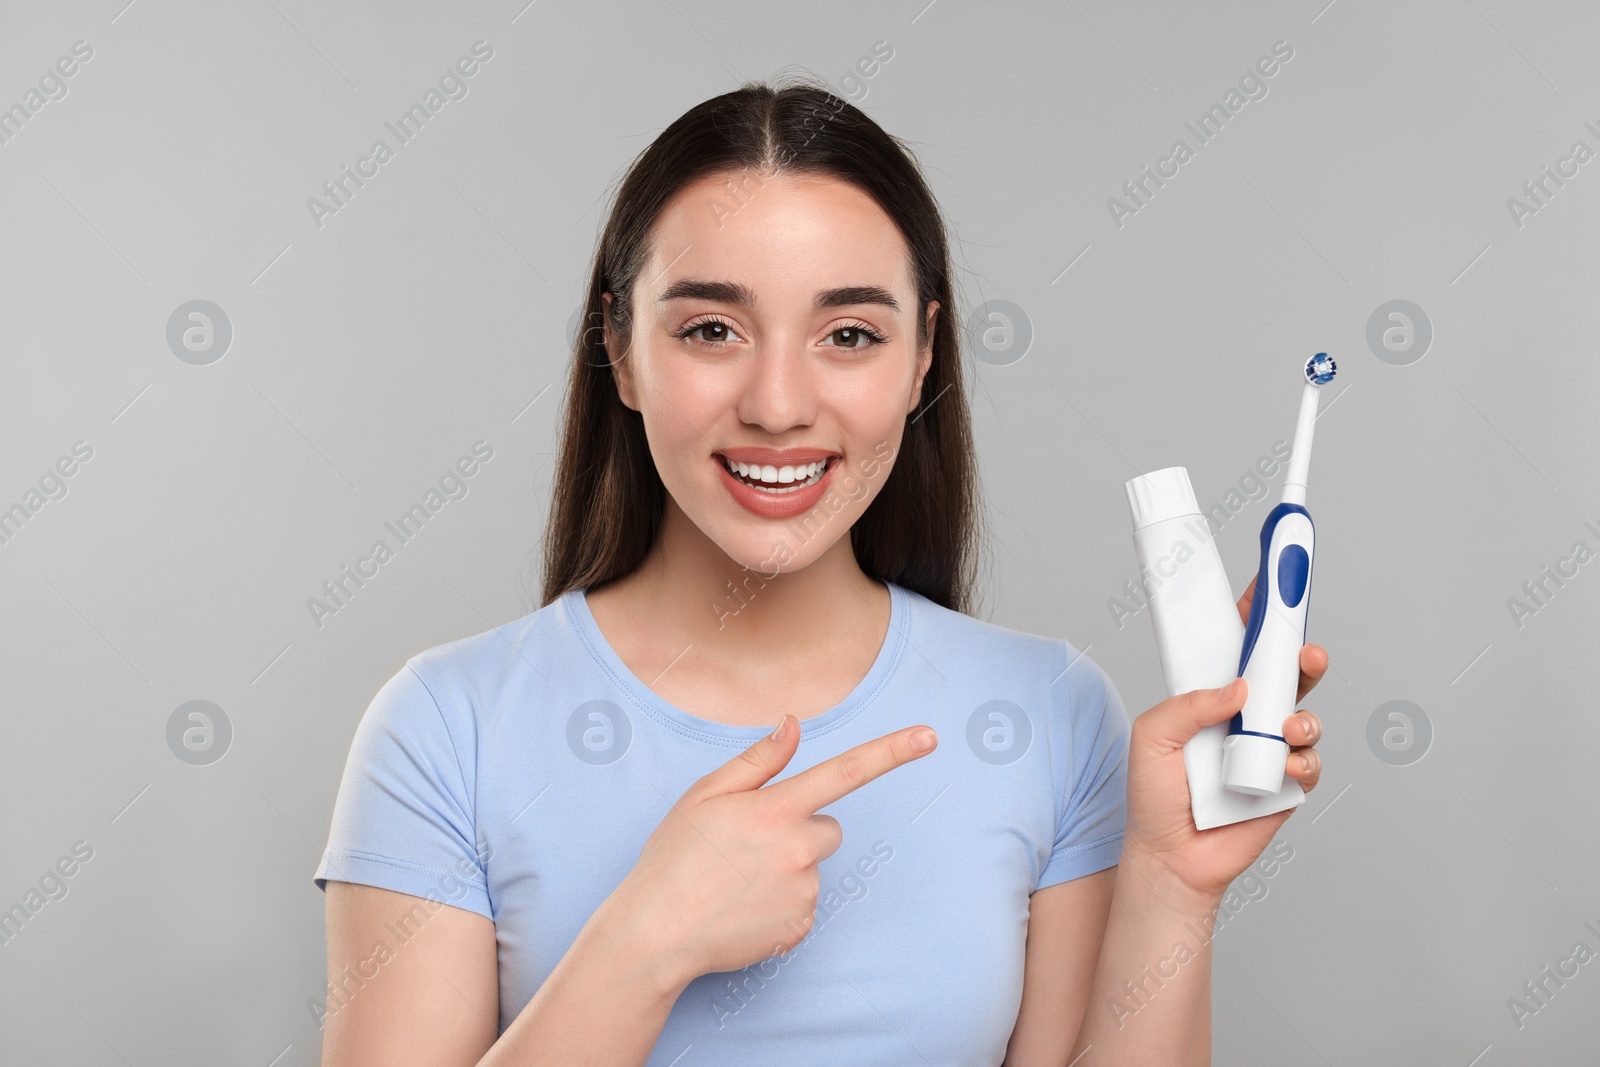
x=787 y=457
x=781 y=505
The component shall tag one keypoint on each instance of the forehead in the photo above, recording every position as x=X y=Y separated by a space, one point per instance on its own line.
x=784 y=237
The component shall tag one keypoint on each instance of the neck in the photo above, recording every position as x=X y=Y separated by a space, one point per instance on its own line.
x=690 y=588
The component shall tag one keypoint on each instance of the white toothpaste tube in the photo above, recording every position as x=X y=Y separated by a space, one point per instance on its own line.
x=1199 y=635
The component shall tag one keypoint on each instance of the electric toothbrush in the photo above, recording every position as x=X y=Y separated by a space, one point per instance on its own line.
x=1254 y=753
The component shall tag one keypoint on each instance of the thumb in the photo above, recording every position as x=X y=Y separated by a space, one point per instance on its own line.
x=1177 y=719
x=756 y=765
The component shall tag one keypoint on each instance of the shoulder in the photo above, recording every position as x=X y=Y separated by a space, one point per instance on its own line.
x=467 y=677
x=968 y=643
x=497 y=647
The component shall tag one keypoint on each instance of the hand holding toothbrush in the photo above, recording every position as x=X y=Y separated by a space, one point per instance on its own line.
x=1161 y=842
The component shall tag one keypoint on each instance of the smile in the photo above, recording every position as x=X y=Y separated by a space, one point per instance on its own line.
x=763 y=491
x=777 y=480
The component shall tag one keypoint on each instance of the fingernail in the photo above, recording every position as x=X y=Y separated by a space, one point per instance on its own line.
x=1231 y=690
x=922 y=740
x=777 y=735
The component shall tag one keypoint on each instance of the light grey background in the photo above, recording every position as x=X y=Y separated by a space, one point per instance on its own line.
x=432 y=312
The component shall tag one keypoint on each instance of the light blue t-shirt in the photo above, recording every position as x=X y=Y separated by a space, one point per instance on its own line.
x=518 y=772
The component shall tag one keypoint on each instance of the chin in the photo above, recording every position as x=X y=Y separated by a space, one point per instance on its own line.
x=771 y=556
x=768 y=552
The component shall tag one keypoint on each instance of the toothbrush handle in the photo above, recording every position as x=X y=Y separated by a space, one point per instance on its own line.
x=1270 y=658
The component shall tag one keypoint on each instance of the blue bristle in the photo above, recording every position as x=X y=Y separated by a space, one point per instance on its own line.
x=1320 y=369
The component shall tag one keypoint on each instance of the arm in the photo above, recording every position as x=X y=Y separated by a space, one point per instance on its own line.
x=1089 y=936
x=1150 y=919
x=1150 y=999
x=1156 y=955
x=414 y=980
x=434 y=999
x=1066 y=923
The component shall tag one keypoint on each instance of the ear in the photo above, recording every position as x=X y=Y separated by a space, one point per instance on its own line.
x=924 y=358
x=621 y=367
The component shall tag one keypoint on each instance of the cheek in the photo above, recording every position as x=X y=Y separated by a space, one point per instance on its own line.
x=872 y=406
x=681 y=406
x=675 y=396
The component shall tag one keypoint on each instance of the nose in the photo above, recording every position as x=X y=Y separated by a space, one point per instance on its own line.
x=782 y=386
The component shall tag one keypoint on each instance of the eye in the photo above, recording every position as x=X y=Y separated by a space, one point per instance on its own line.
x=707 y=324
x=859 y=331
x=854 y=335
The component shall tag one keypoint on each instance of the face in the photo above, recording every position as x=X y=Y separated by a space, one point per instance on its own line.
x=775 y=324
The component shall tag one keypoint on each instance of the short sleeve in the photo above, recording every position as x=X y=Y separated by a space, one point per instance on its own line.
x=404 y=818
x=1092 y=801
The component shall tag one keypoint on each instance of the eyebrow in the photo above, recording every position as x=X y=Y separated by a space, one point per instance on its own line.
x=737 y=293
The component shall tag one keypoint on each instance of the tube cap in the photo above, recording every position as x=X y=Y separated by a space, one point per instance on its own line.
x=1253 y=764
x=1161 y=495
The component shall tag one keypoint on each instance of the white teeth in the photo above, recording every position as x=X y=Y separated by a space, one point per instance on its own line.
x=794 y=477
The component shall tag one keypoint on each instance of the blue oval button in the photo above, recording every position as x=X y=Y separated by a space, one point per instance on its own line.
x=1294 y=567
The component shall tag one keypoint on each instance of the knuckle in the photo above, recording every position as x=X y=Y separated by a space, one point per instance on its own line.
x=803 y=855
x=852 y=770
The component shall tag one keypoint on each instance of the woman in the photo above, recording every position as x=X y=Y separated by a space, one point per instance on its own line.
x=538 y=857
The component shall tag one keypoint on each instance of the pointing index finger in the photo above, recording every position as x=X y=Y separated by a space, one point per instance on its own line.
x=833 y=779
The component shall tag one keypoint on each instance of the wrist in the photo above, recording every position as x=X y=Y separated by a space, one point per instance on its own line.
x=641 y=945
x=1148 y=875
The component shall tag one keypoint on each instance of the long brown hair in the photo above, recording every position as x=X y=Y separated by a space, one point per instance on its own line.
x=921 y=531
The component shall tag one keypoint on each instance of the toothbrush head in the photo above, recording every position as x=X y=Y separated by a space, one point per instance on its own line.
x=1320 y=369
